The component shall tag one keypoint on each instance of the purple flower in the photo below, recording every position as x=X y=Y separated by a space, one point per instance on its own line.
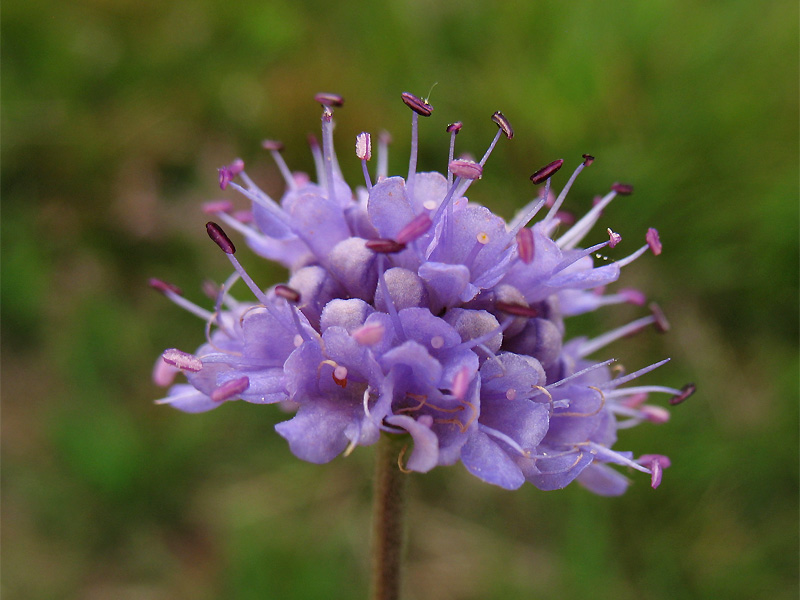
x=411 y=311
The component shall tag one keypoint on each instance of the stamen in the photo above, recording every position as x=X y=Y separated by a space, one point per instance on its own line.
x=623 y=189
x=417 y=104
x=547 y=171
x=364 y=153
x=588 y=159
x=328 y=154
x=503 y=124
x=639 y=393
x=609 y=455
x=504 y=127
x=576 y=257
x=164 y=287
x=257 y=196
x=385 y=246
x=575 y=234
x=613 y=238
x=662 y=325
x=453 y=130
x=329 y=100
x=685 y=392
x=230 y=388
x=557 y=204
x=652 y=241
x=518 y=310
x=419 y=107
x=174 y=294
x=590 y=346
x=287 y=293
x=620 y=380
x=524 y=217
x=657 y=463
x=525 y=245
x=275 y=148
x=182 y=360
x=227 y=173
x=466 y=169
x=561 y=382
x=415 y=228
x=632 y=257
x=216 y=233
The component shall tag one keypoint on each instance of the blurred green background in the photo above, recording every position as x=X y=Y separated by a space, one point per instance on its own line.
x=116 y=114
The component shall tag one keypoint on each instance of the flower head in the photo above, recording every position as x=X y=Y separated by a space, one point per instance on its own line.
x=411 y=311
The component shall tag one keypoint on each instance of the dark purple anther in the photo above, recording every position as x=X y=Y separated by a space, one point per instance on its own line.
x=418 y=105
x=686 y=391
x=661 y=323
x=385 y=246
x=272 y=145
x=229 y=389
x=587 y=159
x=525 y=246
x=466 y=169
x=217 y=206
x=623 y=189
x=329 y=100
x=518 y=310
x=182 y=360
x=287 y=293
x=164 y=287
x=216 y=233
x=414 y=229
x=454 y=127
x=503 y=124
x=546 y=171
x=651 y=237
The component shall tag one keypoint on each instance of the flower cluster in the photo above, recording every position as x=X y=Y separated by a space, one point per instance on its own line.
x=411 y=311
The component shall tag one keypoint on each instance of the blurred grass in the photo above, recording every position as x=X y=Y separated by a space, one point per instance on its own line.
x=115 y=115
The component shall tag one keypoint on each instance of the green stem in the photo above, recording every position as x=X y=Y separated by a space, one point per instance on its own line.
x=387 y=519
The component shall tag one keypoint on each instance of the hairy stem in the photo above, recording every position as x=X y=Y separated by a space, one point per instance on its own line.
x=387 y=519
